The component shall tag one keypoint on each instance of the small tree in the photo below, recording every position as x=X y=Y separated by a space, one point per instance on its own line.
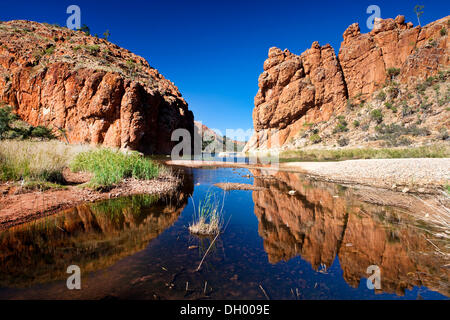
x=418 y=10
x=84 y=28
x=393 y=72
x=106 y=35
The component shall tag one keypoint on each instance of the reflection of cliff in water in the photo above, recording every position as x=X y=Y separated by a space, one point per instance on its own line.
x=325 y=221
x=92 y=236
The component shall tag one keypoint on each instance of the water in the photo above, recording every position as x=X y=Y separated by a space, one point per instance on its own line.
x=316 y=244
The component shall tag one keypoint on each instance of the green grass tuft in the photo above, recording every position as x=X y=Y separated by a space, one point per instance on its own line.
x=110 y=167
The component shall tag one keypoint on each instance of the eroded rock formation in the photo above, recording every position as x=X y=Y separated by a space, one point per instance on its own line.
x=297 y=90
x=88 y=89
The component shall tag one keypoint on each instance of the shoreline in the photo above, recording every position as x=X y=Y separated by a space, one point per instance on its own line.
x=418 y=175
x=18 y=206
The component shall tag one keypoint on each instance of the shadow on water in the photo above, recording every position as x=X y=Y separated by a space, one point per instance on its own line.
x=316 y=244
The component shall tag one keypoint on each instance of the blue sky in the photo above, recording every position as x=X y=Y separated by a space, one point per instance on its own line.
x=214 y=50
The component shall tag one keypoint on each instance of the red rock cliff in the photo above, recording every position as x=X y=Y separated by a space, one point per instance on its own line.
x=88 y=89
x=311 y=87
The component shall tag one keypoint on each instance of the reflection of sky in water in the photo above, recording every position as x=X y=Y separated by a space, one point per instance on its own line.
x=239 y=262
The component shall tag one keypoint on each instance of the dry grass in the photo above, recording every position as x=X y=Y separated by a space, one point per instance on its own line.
x=434 y=151
x=38 y=161
x=438 y=218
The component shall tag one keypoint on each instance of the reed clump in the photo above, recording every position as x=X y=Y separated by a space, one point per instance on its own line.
x=208 y=219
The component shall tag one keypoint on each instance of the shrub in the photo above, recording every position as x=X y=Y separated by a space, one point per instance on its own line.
x=377 y=115
x=50 y=50
x=356 y=123
x=341 y=126
x=6 y=119
x=406 y=111
x=393 y=72
x=381 y=96
x=42 y=132
x=443 y=32
x=343 y=142
x=315 y=138
x=93 y=49
x=84 y=28
x=443 y=134
x=110 y=167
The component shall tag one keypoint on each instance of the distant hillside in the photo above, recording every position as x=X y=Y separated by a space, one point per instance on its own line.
x=212 y=140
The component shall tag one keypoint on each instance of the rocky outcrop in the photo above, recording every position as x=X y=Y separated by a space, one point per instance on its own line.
x=293 y=88
x=298 y=90
x=417 y=52
x=88 y=89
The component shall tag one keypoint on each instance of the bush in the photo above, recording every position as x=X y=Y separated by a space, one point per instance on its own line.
x=341 y=126
x=50 y=50
x=42 y=132
x=393 y=72
x=343 y=142
x=111 y=167
x=381 y=96
x=443 y=32
x=6 y=119
x=356 y=123
x=315 y=138
x=443 y=134
x=407 y=111
x=377 y=115
x=84 y=28
x=12 y=128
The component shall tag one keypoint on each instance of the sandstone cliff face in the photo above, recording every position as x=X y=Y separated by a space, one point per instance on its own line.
x=88 y=89
x=299 y=90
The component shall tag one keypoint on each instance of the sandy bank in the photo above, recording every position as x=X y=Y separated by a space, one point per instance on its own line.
x=408 y=175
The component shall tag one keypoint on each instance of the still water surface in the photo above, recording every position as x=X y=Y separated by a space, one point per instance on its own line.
x=316 y=244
